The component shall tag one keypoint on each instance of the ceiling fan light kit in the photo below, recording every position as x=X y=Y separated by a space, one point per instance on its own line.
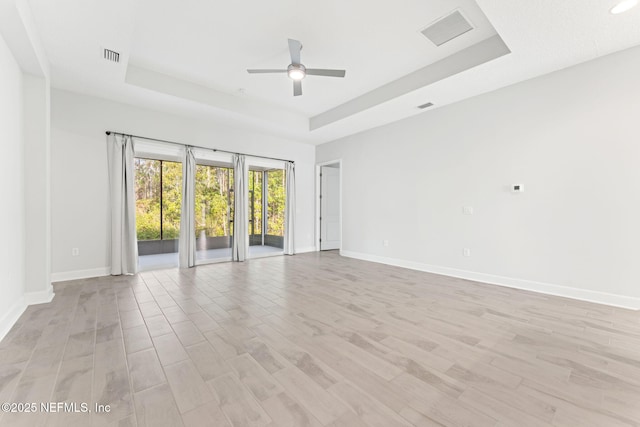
x=296 y=71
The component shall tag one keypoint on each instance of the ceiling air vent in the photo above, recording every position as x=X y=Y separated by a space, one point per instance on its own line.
x=427 y=105
x=111 y=55
x=447 y=28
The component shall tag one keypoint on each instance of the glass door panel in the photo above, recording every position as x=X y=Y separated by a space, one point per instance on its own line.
x=158 y=190
x=213 y=213
x=276 y=195
x=255 y=208
x=171 y=201
x=266 y=211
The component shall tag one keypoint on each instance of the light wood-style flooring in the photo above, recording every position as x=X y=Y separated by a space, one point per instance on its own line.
x=319 y=340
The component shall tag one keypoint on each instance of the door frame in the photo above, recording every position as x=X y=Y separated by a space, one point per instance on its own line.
x=318 y=203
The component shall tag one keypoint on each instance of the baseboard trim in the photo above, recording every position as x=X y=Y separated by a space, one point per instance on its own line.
x=13 y=314
x=305 y=249
x=41 y=297
x=80 y=274
x=528 y=285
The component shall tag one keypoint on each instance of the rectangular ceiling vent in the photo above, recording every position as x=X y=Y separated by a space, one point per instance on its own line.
x=427 y=105
x=111 y=55
x=447 y=28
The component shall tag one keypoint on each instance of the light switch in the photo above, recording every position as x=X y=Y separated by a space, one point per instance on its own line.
x=467 y=210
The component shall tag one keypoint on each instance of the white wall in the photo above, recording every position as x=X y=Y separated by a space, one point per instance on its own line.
x=79 y=188
x=24 y=165
x=12 y=251
x=572 y=138
x=37 y=190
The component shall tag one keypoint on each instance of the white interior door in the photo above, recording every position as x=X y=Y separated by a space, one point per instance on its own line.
x=330 y=208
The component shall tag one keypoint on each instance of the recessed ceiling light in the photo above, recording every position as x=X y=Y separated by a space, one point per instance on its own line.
x=623 y=6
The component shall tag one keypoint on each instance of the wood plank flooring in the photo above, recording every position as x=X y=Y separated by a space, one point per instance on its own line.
x=319 y=340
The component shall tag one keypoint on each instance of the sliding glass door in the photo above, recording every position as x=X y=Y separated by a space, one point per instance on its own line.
x=275 y=203
x=158 y=189
x=266 y=211
x=213 y=212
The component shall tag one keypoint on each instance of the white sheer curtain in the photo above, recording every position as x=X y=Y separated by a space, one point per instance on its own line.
x=187 y=242
x=241 y=201
x=124 y=245
x=290 y=208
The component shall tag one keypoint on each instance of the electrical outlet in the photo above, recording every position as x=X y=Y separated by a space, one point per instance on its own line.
x=517 y=188
x=467 y=210
x=466 y=252
x=75 y=252
x=385 y=243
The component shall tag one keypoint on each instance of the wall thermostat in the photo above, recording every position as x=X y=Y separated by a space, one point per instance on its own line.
x=517 y=188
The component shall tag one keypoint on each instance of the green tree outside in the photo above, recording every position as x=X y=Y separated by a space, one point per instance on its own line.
x=276 y=202
x=213 y=200
x=148 y=199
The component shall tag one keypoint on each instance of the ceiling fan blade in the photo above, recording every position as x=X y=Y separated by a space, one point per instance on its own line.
x=264 y=71
x=297 y=88
x=327 y=73
x=294 y=49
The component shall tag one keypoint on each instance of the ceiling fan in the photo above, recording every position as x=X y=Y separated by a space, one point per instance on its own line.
x=297 y=71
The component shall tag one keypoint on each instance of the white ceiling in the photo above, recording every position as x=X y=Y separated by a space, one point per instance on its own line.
x=190 y=57
x=213 y=43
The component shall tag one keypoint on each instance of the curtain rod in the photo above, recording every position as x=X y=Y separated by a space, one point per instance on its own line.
x=196 y=146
